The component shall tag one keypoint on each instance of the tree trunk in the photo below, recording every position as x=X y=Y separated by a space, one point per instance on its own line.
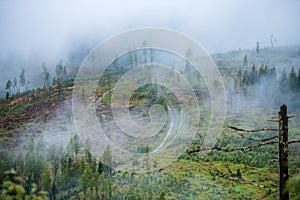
x=283 y=153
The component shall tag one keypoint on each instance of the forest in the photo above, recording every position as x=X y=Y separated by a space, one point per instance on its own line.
x=43 y=157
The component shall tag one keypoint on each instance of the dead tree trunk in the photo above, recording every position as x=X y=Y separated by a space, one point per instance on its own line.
x=283 y=153
x=283 y=142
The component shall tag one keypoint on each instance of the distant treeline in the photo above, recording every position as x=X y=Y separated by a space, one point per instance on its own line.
x=21 y=83
x=286 y=82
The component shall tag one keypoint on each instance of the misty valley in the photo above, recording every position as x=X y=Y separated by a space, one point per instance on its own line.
x=43 y=156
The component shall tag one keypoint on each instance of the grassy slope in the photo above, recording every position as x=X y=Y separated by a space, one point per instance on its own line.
x=194 y=179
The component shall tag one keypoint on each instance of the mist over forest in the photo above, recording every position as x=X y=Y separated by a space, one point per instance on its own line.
x=267 y=79
x=34 y=33
x=68 y=133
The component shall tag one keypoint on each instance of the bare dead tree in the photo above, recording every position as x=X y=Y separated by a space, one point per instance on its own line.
x=282 y=142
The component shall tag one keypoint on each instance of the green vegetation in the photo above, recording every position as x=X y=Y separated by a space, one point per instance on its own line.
x=38 y=171
x=64 y=174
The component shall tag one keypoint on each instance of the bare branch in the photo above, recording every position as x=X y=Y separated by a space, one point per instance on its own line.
x=276 y=119
x=251 y=131
x=293 y=141
x=251 y=147
x=257 y=139
x=247 y=148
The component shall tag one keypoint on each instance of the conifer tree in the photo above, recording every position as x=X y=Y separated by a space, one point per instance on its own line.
x=292 y=80
x=8 y=86
x=22 y=79
x=245 y=61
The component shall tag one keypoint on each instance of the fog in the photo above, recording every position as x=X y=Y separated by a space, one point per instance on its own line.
x=35 y=32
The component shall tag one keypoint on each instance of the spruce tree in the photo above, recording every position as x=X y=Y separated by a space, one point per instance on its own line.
x=292 y=80
x=107 y=161
x=283 y=80
x=46 y=180
x=245 y=61
x=257 y=47
x=240 y=77
x=15 y=84
x=8 y=87
x=245 y=78
x=253 y=75
x=22 y=79
x=46 y=75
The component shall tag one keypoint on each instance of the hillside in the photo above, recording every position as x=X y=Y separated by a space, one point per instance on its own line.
x=40 y=141
x=36 y=107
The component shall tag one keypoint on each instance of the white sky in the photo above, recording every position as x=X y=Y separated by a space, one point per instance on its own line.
x=51 y=29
